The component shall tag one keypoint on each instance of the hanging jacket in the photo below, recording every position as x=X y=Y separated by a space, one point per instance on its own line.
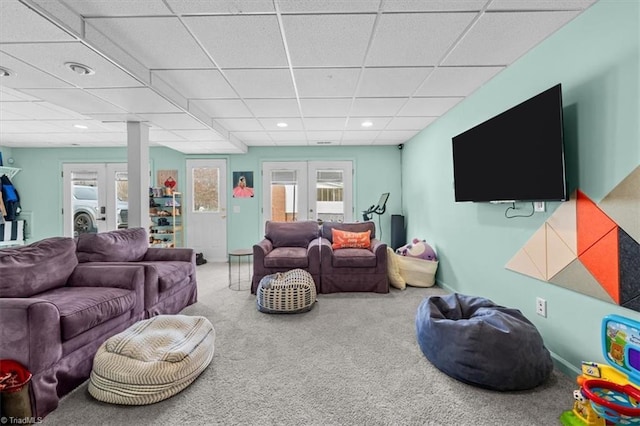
x=10 y=198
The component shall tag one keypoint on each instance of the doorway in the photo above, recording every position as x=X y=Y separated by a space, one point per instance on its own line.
x=307 y=190
x=206 y=208
x=95 y=197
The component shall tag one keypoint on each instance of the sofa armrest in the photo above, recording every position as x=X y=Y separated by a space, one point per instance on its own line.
x=125 y=276
x=178 y=254
x=30 y=332
x=380 y=250
x=313 y=253
x=261 y=250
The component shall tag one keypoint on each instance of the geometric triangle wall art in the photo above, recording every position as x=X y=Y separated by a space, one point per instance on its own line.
x=590 y=248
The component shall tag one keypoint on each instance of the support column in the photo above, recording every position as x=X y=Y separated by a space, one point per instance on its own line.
x=138 y=173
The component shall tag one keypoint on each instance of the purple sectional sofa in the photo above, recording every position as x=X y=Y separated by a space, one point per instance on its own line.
x=54 y=313
x=60 y=299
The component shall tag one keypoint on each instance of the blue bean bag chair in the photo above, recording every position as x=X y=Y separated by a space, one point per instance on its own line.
x=480 y=343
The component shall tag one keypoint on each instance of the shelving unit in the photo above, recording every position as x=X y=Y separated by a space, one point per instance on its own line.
x=166 y=229
x=9 y=171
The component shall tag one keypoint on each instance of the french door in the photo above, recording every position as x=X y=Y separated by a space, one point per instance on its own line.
x=307 y=190
x=206 y=212
x=95 y=197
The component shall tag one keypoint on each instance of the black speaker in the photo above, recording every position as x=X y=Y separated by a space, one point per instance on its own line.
x=398 y=234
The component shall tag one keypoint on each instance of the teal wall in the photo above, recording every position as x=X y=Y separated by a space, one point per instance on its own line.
x=596 y=58
x=377 y=170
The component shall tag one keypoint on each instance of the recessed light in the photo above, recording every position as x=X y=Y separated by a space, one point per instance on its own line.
x=80 y=126
x=6 y=72
x=282 y=124
x=79 y=68
x=366 y=124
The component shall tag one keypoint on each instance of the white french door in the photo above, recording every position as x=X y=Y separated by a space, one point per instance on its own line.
x=95 y=197
x=307 y=190
x=206 y=208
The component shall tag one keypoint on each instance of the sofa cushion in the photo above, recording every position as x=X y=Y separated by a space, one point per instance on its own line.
x=171 y=273
x=37 y=267
x=354 y=258
x=82 y=308
x=291 y=234
x=327 y=228
x=122 y=245
x=287 y=257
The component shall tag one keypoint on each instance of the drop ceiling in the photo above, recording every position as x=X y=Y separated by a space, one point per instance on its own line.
x=219 y=76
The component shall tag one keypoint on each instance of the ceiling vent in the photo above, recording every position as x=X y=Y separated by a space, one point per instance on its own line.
x=324 y=143
x=79 y=68
x=6 y=72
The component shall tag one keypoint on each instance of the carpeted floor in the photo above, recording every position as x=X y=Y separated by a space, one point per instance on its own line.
x=352 y=360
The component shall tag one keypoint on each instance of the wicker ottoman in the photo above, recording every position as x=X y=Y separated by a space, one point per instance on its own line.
x=289 y=292
x=152 y=360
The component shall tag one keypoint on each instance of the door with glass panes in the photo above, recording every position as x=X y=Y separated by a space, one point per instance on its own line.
x=307 y=190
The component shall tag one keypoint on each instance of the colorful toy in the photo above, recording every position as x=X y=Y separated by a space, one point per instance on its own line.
x=418 y=249
x=610 y=394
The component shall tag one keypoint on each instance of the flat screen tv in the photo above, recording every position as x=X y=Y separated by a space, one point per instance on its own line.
x=517 y=155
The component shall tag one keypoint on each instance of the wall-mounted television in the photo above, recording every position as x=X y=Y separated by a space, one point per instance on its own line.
x=517 y=155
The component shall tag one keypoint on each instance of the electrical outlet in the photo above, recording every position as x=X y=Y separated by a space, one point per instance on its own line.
x=538 y=206
x=541 y=307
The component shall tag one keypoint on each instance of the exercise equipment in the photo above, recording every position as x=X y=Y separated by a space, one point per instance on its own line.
x=378 y=209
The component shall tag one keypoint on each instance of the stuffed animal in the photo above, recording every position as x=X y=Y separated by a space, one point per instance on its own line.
x=418 y=249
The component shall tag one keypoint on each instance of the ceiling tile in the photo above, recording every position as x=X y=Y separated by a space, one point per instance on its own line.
x=240 y=124
x=262 y=83
x=273 y=107
x=456 y=81
x=271 y=124
x=376 y=107
x=312 y=123
x=325 y=107
x=410 y=123
x=428 y=107
x=162 y=135
x=377 y=123
x=10 y=95
x=326 y=82
x=297 y=6
x=22 y=126
x=223 y=108
x=540 y=4
x=288 y=136
x=233 y=7
x=136 y=100
x=8 y=115
x=433 y=5
x=499 y=38
x=178 y=120
x=123 y=117
x=26 y=76
x=249 y=41
x=157 y=42
x=262 y=142
x=36 y=111
x=366 y=135
x=202 y=147
x=325 y=135
x=53 y=56
x=424 y=37
x=19 y=24
x=378 y=82
x=251 y=136
x=118 y=8
x=396 y=135
x=198 y=135
x=76 y=100
x=196 y=84
x=320 y=40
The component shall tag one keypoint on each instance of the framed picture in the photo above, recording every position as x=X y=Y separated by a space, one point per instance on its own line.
x=242 y=184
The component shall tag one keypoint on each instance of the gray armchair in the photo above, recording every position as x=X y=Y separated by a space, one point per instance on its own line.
x=286 y=246
x=353 y=269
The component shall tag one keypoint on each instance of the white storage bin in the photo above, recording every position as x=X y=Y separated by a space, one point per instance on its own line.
x=417 y=272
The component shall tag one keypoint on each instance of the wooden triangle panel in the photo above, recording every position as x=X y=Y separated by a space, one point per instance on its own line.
x=601 y=259
x=575 y=277
x=629 y=260
x=523 y=264
x=563 y=222
x=622 y=204
x=559 y=254
x=592 y=223
x=536 y=248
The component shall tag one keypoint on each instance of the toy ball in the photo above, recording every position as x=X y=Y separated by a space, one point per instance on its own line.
x=418 y=249
x=578 y=396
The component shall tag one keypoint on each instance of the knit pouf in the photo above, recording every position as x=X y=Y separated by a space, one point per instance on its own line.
x=152 y=360
x=288 y=292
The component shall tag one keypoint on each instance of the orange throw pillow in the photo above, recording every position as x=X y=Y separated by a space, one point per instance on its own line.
x=345 y=239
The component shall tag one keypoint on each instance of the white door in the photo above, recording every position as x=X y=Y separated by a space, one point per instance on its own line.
x=95 y=197
x=307 y=190
x=206 y=208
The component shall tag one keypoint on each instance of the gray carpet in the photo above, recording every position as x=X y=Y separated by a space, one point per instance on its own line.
x=352 y=360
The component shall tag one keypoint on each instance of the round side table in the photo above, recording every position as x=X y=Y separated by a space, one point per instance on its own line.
x=239 y=254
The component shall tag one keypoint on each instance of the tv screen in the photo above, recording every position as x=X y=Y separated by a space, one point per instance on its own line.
x=517 y=155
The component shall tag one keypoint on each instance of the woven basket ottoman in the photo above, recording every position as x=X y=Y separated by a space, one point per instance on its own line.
x=152 y=360
x=290 y=292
